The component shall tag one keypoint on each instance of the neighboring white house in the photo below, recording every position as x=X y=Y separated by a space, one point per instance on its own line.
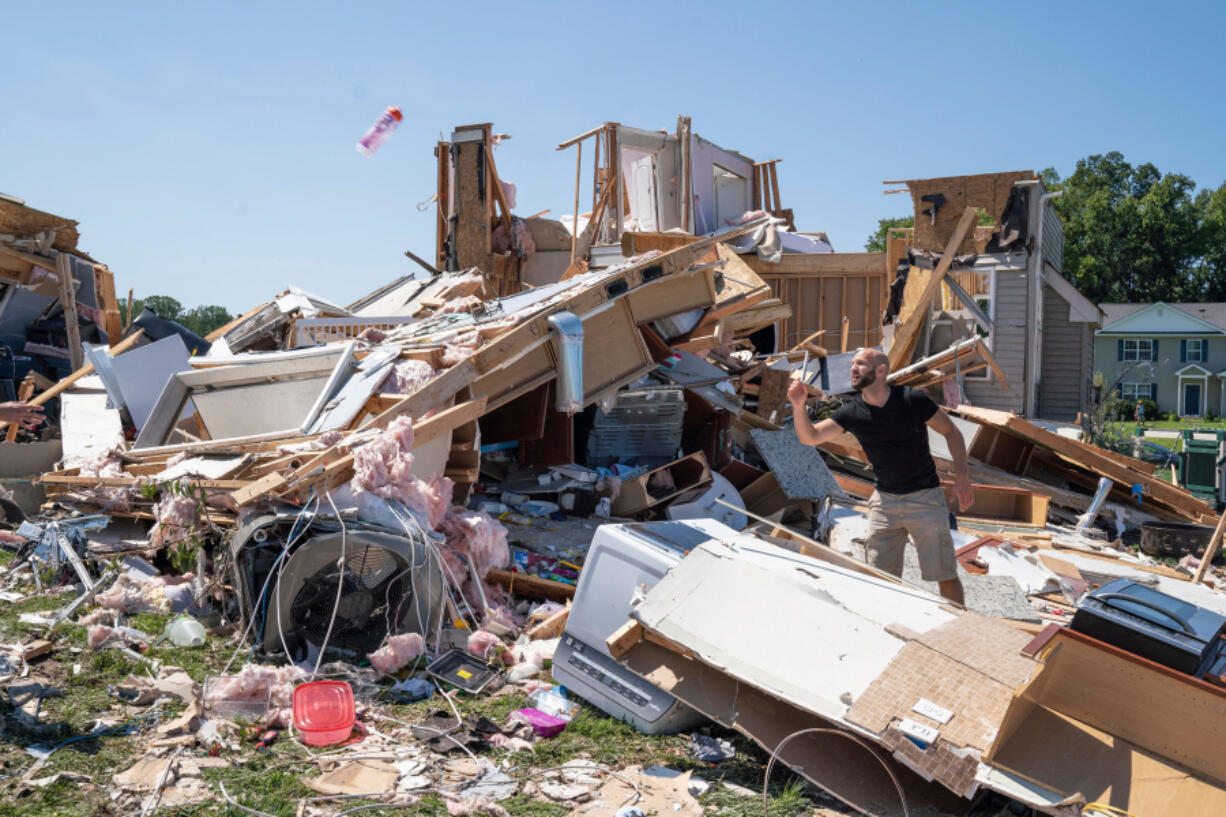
x=1174 y=354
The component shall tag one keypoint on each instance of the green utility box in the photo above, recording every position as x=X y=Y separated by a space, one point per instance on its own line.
x=1202 y=462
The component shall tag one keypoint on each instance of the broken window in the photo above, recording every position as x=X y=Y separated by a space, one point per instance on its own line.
x=1138 y=349
x=954 y=320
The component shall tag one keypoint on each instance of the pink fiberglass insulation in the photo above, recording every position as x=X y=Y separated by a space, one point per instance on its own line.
x=133 y=592
x=108 y=465
x=97 y=634
x=383 y=467
x=397 y=651
x=477 y=537
x=259 y=683
x=176 y=517
x=483 y=644
x=408 y=376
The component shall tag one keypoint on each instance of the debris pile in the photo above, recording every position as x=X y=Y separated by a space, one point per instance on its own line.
x=566 y=454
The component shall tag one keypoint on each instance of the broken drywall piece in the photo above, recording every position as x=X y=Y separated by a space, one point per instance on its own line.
x=356 y=777
x=799 y=469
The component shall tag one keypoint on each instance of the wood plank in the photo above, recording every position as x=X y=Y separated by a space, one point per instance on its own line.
x=908 y=325
x=625 y=637
x=68 y=303
x=533 y=587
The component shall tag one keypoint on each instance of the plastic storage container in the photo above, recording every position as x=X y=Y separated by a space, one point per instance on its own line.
x=323 y=712
x=374 y=138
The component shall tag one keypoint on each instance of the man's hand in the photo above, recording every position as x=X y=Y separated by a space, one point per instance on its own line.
x=25 y=415
x=963 y=492
x=798 y=394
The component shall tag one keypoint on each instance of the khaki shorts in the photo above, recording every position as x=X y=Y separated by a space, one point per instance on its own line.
x=925 y=517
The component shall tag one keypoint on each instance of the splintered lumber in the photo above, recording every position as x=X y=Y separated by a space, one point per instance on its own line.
x=1210 y=550
x=909 y=325
x=68 y=303
x=1088 y=457
x=965 y=356
x=63 y=385
x=330 y=468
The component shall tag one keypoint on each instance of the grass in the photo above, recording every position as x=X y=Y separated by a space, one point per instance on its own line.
x=271 y=781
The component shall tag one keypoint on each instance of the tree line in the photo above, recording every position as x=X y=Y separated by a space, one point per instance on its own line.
x=1132 y=234
x=199 y=319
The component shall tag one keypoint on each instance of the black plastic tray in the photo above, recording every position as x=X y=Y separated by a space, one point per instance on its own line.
x=462 y=670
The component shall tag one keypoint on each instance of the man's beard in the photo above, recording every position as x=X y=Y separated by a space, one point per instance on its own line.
x=864 y=381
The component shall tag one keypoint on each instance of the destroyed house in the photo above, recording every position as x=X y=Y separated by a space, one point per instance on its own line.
x=1006 y=285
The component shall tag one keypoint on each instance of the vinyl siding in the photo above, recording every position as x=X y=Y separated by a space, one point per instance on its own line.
x=1008 y=347
x=1067 y=354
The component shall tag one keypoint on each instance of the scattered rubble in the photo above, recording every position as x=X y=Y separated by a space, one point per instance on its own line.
x=566 y=453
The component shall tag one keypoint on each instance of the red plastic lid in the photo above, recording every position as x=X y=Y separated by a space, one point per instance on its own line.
x=323 y=706
x=395 y=113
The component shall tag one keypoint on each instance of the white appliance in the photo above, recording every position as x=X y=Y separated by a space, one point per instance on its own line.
x=623 y=562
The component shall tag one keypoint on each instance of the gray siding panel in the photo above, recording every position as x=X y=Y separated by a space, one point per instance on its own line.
x=1067 y=352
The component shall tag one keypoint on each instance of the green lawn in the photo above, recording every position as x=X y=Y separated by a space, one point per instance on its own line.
x=271 y=782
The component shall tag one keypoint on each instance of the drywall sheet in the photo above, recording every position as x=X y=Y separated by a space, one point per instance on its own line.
x=88 y=427
x=800 y=470
x=143 y=372
x=845 y=642
x=258 y=408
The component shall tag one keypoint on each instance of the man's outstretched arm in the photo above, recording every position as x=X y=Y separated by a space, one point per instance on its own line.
x=808 y=432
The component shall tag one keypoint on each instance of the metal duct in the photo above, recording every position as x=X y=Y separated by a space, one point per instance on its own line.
x=570 y=361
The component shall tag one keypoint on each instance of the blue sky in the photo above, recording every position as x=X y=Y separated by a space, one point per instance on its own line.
x=208 y=149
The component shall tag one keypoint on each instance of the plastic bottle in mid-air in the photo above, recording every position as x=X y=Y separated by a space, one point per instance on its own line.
x=374 y=138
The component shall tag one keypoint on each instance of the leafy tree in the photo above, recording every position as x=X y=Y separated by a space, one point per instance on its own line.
x=877 y=241
x=199 y=319
x=1132 y=234
x=204 y=319
x=165 y=307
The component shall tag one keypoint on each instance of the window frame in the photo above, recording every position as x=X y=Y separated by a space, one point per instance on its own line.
x=1200 y=350
x=1136 y=350
x=1135 y=391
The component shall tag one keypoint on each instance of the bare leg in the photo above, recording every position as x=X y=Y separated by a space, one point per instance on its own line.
x=952 y=590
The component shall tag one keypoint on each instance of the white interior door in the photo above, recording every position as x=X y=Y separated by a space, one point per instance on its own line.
x=641 y=186
x=731 y=196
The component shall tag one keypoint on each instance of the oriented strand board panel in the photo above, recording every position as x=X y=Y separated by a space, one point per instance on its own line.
x=22 y=221
x=989 y=191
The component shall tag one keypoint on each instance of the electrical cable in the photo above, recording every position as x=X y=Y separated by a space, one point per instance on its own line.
x=340 y=585
x=264 y=590
x=770 y=764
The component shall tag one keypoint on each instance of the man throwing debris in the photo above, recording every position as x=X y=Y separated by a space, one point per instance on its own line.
x=889 y=422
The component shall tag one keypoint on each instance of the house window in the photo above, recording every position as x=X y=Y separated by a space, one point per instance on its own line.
x=979 y=284
x=1134 y=391
x=1195 y=350
x=1138 y=349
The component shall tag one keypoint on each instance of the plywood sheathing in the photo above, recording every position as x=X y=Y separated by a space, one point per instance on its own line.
x=988 y=191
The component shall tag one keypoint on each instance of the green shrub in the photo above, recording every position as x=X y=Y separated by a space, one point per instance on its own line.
x=1125 y=410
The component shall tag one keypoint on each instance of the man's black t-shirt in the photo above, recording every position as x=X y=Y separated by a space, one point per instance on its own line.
x=895 y=438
